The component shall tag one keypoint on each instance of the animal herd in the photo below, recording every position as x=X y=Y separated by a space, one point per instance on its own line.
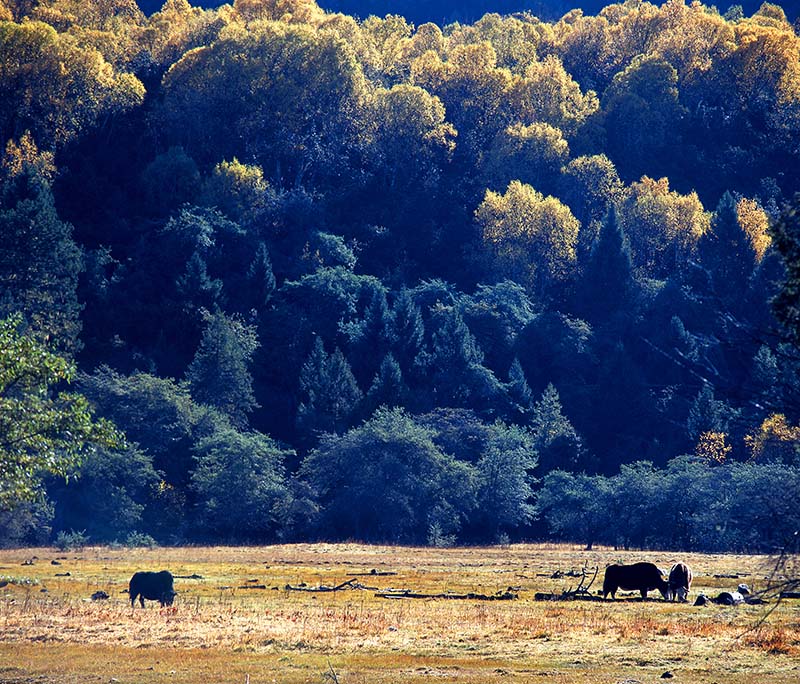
x=642 y=577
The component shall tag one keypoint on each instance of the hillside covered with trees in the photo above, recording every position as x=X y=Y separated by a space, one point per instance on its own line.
x=318 y=277
x=469 y=11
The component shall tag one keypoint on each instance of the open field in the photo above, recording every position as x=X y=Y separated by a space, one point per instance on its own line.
x=224 y=629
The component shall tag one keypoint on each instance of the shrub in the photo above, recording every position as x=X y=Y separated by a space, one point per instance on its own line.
x=72 y=540
x=140 y=540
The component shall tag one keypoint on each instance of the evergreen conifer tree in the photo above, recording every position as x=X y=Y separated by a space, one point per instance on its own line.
x=370 y=337
x=607 y=285
x=260 y=281
x=457 y=373
x=558 y=444
x=330 y=394
x=708 y=413
x=219 y=375
x=519 y=392
x=786 y=238
x=196 y=288
x=39 y=261
x=727 y=254
x=388 y=388
x=409 y=334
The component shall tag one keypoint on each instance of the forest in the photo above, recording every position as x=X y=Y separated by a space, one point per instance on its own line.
x=273 y=272
x=443 y=12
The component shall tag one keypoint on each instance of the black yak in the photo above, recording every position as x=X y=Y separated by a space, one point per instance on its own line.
x=154 y=586
x=643 y=577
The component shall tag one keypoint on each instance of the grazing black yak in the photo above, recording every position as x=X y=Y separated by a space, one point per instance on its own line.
x=643 y=577
x=154 y=586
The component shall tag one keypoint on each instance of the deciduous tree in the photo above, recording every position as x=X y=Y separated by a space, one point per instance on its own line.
x=532 y=154
x=643 y=117
x=43 y=430
x=285 y=94
x=662 y=225
x=530 y=237
x=54 y=87
x=240 y=485
x=387 y=481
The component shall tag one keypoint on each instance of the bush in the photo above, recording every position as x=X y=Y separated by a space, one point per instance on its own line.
x=72 y=540
x=140 y=540
x=438 y=539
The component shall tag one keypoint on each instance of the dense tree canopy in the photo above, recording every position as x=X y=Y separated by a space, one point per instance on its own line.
x=387 y=278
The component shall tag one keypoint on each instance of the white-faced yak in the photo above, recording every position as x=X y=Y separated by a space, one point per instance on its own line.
x=680 y=582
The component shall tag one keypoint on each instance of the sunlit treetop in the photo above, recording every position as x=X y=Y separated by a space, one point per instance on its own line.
x=517 y=41
x=754 y=220
x=663 y=225
x=54 y=87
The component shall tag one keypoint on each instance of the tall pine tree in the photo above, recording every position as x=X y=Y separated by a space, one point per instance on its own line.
x=557 y=443
x=388 y=387
x=370 y=337
x=330 y=395
x=519 y=392
x=39 y=261
x=785 y=234
x=727 y=253
x=220 y=375
x=260 y=281
x=457 y=373
x=607 y=286
x=409 y=335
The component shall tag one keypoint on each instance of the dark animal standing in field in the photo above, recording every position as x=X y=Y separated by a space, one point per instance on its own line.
x=643 y=577
x=154 y=586
x=680 y=582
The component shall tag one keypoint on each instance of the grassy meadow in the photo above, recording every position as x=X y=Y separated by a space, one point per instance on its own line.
x=224 y=627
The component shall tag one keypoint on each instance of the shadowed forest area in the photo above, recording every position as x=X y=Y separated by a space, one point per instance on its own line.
x=271 y=272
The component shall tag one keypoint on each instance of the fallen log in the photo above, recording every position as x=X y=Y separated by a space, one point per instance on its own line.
x=352 y=583
x=565 y=596
x=375 y=573
x=580 y=593
x=408 y=594
x=790 y=594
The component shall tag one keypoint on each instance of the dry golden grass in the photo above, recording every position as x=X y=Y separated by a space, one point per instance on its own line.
x=218 y=631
